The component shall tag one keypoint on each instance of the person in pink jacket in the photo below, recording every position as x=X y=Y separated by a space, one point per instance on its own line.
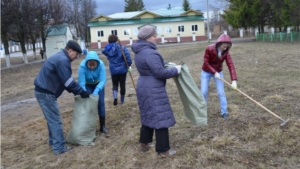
x=214 y=57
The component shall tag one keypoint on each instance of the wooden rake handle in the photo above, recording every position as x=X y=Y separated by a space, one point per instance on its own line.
x=254 y=101
x=126 y=63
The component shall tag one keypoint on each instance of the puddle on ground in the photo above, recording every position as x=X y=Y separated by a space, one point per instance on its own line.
x=15 y=104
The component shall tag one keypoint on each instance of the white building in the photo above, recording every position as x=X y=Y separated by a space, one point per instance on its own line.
x=57 y=39
x=173 y=25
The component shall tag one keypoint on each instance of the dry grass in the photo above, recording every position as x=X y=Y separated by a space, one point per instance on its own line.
x=252 y=138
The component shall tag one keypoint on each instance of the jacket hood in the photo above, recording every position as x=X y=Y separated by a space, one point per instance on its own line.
x=224 y=39
x=111 y=49
x=141 y=45
x=92 y=56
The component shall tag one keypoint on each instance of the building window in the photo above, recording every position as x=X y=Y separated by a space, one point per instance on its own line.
x=181 y=28
x=194 y=28
x=126 y=31
x=168 y=29
x=100 y=34
x=159 y=30
x=114 y=32
x=135 y=31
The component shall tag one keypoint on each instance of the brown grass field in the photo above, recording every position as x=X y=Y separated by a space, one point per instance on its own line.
x=252 y=138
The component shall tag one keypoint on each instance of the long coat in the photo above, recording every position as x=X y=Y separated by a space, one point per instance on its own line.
x=154 y=105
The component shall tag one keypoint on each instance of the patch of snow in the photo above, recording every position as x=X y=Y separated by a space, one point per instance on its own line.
x=15 y=104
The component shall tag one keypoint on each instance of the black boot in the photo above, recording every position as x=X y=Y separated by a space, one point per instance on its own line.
x=102 y=125
x=122 y=99
x=115 y=94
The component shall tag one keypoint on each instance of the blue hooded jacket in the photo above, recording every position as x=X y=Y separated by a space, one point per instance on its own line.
x=115 y=57
x=88 y=76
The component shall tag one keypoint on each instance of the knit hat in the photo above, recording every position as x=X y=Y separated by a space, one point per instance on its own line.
x=146 y=32
x=74 y=45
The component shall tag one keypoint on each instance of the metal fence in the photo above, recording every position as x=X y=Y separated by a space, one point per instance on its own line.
x=234 y=34
x=279 y=37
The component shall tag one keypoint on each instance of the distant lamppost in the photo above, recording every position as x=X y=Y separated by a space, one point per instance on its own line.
x=208 y=31
x=87 y=44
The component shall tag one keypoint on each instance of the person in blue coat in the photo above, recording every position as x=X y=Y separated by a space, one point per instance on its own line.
x=92 y=78
x=117 y=66
x=155 y=110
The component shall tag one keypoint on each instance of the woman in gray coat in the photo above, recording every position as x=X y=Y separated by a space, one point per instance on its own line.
x=155 y=110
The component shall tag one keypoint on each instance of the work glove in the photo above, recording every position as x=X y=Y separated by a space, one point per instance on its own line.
x=217 y=76
x=178 y=67
x=171 y=64
x=129 y=69
x=84 y=94
x=234 y=85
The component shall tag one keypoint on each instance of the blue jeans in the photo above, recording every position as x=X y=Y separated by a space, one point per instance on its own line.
x=49 y=106
x=101 y=104
x=205 y=78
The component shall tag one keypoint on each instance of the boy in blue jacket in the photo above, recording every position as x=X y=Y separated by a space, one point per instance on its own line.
x=92 y=78
x=117 y=66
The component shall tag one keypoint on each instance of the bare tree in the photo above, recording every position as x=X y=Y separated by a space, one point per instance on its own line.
x=80 y=14
x=217 y=20
x=19 y=27
x=88 y=12
x=50 y=14
x=6 y=14
x=73 y=15
x=33 y=26
x=223 y=4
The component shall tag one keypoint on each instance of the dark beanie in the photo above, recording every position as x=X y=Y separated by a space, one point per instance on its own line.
x=74 y=45
x=146 y=32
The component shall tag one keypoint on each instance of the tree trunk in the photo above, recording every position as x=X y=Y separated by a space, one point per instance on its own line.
x=34 y=49
x=23 y=49
x=44 y=46
x=262 y=28
x=6 y=50
x=43 y=42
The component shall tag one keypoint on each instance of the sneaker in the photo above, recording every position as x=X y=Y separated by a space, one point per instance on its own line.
x=225 y=116
x=168 y=153
x=66 y=149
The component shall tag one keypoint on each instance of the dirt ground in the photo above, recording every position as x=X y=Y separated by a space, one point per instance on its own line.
x=252 y=138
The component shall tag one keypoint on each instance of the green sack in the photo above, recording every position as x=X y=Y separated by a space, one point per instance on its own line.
x=84 y=120
x=195 y=109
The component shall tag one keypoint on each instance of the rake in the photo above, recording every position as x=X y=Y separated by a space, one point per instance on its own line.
x=283 y=120
x=126 y=63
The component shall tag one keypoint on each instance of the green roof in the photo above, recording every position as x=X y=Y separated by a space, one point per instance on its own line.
x=146 y=20
x=58 y=30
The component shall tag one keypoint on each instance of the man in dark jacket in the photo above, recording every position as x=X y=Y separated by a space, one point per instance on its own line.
x=54 y=77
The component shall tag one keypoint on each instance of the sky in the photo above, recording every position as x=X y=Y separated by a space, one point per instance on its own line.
x=107 y=7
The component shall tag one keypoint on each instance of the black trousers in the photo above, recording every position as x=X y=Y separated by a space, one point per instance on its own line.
x=119 y=79
x=161 y=135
